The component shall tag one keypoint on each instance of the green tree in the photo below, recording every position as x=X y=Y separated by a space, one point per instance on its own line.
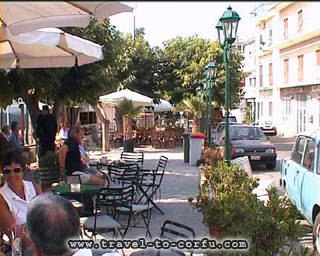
x=182 y=62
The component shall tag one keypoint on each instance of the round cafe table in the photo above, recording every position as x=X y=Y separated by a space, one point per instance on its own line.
x=84 y=193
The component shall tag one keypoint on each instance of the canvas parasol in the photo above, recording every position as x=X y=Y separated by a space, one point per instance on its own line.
x=47 y=48
x=115 y=98
x=26 y=16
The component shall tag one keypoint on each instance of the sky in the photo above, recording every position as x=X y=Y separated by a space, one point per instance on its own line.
x=165 y=20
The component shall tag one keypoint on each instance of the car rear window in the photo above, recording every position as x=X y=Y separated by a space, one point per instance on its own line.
x=246 y=133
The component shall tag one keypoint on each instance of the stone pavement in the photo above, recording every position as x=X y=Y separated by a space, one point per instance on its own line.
x=179 y=183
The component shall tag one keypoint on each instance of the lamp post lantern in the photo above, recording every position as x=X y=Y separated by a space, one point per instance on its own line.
x=211 y=71
x=227 y=33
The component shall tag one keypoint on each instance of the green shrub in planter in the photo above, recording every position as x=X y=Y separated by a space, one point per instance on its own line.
x=49 y=169
x=231 y=210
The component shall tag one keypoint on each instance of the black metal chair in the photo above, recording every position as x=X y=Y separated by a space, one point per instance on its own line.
x=175 y=231
x=135 y=210
x=151 y=182
x=133 y=157
x=105 y=211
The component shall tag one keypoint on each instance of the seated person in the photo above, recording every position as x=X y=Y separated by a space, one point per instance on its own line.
x=16 y=141
x=64 y=131
x=70 y=159
x=15 y=195
x=59 y=222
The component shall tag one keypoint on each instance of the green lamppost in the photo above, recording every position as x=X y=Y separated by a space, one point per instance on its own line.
x=227 y=33
x=211 y=70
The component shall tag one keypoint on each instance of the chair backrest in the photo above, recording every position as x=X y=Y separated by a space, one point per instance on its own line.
x=162 y=164
x=175 y=231
x=123 y=175
x=48 y=175
x=73 y=179
x=136 y=157
x=130 y=176
x=110 y=198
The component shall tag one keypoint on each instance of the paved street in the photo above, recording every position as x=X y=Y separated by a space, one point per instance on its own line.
x=181 y=181
x=283 y=147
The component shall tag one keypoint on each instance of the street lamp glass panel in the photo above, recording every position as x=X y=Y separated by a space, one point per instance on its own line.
x=229 y=21
x=204 y=83
x=221 y=37
x=211 y=70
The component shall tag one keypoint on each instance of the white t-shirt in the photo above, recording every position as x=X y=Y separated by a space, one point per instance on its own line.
x=63 y=133
x=18 y=206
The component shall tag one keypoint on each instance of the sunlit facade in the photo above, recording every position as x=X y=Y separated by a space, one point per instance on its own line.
x=288 y=64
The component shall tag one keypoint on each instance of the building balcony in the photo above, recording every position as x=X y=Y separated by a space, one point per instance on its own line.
x=265 y=88
x=298 y=39
x=298 y=84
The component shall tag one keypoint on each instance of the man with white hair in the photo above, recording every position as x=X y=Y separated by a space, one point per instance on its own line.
x=51 y=222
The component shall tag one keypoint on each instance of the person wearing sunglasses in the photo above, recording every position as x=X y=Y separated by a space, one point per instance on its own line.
x=15 y=195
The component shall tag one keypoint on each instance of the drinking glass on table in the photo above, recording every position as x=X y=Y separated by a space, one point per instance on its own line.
x=18 y=232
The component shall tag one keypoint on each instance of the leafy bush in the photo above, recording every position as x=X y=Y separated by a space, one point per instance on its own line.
x=49 y=160
x=226 y=201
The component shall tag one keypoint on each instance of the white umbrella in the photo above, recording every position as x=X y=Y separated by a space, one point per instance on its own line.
x=21 y=17
x=47 y=48
x=115 y=98
x=162 y=106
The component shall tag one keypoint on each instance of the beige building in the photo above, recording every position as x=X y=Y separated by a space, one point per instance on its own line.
x=288 y=66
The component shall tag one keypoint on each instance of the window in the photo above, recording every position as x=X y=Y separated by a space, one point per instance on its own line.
x=260 y=76
x=300 y=68
x=88 y=117
x=308 y=159
x=285 y=28
x=298 y=151
x=318 y=57
x=318 y=167
x=300 y=20
x=270 y=75
x=270 y=37
x=286 y=71
x=253 y=82
x=270 y=108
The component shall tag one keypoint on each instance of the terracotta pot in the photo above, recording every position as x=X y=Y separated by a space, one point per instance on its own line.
x=216 y=231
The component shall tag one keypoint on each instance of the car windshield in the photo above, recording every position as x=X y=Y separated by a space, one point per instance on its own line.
x=246 y=133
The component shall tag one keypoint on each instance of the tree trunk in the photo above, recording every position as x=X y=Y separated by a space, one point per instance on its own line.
x=57 y=111
x=31 y=101
x=101 y=115
x=195 y=125
x=130 y=135
x=118 y=120
x=124 y=127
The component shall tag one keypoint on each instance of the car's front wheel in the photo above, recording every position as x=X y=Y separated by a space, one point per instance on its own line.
x=271 y=166
x=316 y=236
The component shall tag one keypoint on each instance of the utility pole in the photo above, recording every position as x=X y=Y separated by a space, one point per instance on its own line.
x=134 y=21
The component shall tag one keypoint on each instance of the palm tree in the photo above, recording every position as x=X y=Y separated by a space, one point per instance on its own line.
x=128 y=111
x=193 y=105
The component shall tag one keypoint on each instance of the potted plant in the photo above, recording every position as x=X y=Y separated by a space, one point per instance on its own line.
x=193 y=105
x=231 y=209
x=48 y=169
x=128 y=111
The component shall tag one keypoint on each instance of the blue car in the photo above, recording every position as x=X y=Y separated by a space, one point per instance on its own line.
x=300 y=177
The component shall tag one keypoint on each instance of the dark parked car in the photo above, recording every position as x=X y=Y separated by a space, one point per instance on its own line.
x=219 y=128
x=231 y=119
x=248 y=140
